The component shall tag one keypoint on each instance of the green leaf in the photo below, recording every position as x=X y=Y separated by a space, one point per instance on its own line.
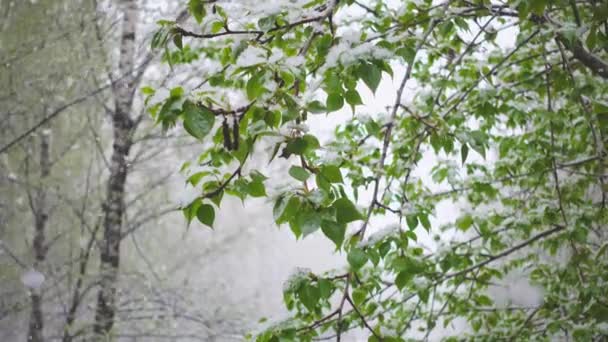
x=323 y=44
x=197 y=9
x=412 y=221
x=331 y=173
x=359 y=296
x=272 y=118
x=300 y=145
x=322 y=183
x=346 y=211
x=206 y=214
x=334 y=231
x=191 y=210
x=334 y=102
x=356 y=258
x=266 y=23
x=148 y=91
x=407 y=52
x=464 y=222
x=312 y=143
x=195 y=178
x=352 y=97
x=483 y=300
x=243 y=150
x=256 y=189
x=325 y=288
x=176 y=92
x=371 y=76
x=295 y=146
x=299 y=173
x=217 y=26
x=295 y=228
x=177 y=40
x=424 y=220
x=591 y=40
x=217 y=199
x=285 y=209
x=403 y=278
x=308 y=221
x=309 y=296
x=275 y=150
x=464 y=152
x=255 y=86
x=316 y=107
x=538 y=6
x=198 y=121
x=332 y=82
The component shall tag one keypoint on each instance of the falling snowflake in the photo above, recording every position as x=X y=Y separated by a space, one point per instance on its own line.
x=32 y=279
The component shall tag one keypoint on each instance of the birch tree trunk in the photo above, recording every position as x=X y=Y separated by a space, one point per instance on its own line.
x=114 y=206
x=40 y=211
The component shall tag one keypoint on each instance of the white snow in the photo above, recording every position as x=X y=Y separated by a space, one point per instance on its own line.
x=381 y=235
x=251 y=56
x=295 y=61
x=296 y=276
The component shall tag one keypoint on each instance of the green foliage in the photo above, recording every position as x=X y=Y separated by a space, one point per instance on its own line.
x=198 y=121
x=299 y=173
x=206 y=214
x=517 y=130
x=197 y=9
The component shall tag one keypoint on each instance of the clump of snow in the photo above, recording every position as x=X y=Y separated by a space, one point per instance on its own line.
x=316 y=197
x=254 y=8
x=295 y=61
x=347 y=52
x=275 y=55
x=301 y=127
x=407 y=208
x=331 y=157
x=252 y=55
x=421 y=282
x=388 y=331
x=381 y=234
x=351 y=36
x=443 y=248
x=297 y=276
x=32 y=279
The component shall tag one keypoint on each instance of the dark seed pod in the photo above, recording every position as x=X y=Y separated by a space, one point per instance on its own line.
x=226 y=133
x=235 y=133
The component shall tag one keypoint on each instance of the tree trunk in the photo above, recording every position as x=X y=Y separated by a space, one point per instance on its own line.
x=114 y=206
x=40 y=211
